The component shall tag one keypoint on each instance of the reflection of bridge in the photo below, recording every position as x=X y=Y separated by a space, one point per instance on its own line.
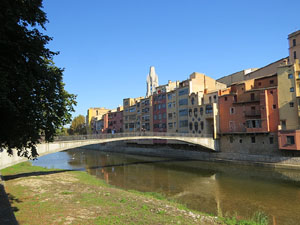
x=67 y=142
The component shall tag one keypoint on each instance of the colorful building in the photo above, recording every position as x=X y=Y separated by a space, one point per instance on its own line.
x=113 y=121
x=203 y=114
x=289 y=97
x=132 y=114
x=94 y=114
x=197 y=83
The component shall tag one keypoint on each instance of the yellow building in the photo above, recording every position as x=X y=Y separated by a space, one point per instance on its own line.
x=94 y=114
x=197 y=83
x=132 y=114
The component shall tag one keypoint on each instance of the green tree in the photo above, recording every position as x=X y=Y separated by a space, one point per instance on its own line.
x=33 y=101
x=78 y=126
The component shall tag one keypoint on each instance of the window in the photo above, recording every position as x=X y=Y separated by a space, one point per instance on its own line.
x=294 y=42
x=271 y=139
x=183 y=123
x=191 y=125
x=163 y=106
x=201 y=111
x=183 y=112
x=274 y=106
x=252 y=96
x=290 y=76
x=209 y=99
x=232 y=110
x=195 y=112
x=183 y=92
x=132 y=109
x=291 y=104
x=292 y=89
x=225 y=98
x=170 y=116
x=259 y=83
x=253 y=140
x=201 y=125
x=164 y=115
x=290 y=140
x=159 y=116
x=271 y=92
x=283 y=124
x=208 y=109
x=241 y=141
x=190 y=112
x=253 y=123
x=170 y=125
x=235 y=98
x=196 y=126
x=183 y=101
x=193 y=100
x=169 y=96
x=295 y=55
x=271 y=81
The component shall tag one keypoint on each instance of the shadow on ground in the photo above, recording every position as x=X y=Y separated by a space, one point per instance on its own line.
x=6 y=211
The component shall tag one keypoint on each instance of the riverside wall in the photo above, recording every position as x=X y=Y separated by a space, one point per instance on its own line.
x=188 y=152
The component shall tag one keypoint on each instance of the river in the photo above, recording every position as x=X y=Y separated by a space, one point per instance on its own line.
x=214 y=188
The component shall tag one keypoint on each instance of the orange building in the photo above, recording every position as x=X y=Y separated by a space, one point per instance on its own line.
x=250 y=108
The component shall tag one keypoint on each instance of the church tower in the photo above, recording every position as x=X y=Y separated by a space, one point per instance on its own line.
x=152 y=82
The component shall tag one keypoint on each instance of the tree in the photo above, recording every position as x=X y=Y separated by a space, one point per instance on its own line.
x=78 y=126
x=33 y=101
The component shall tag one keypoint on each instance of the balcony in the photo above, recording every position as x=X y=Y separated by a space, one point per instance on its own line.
x=252 y=113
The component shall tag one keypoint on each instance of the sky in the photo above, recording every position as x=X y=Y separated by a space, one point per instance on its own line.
x=107 y=46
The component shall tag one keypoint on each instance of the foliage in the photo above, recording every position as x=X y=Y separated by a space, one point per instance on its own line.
x=78 y=126
x=259 y=218
x=33 y=101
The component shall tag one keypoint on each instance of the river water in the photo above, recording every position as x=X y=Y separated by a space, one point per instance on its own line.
x=215 y=188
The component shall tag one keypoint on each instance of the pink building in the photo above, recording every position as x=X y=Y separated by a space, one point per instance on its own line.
x=159 y=112
x=113 y=121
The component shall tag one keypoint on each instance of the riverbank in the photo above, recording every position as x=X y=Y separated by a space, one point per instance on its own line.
x=196 y=153
x=47 y=196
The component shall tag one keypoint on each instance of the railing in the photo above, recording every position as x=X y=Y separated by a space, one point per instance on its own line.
x=129 y=134
x=252 y=113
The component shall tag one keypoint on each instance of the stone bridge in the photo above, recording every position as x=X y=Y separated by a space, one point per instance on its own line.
x=68 y=142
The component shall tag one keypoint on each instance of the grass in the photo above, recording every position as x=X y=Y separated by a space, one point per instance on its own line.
x=48 y=196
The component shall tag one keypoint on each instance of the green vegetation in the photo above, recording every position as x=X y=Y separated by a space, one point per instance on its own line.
x=59 y=197
x=78 y=126
x=34 y=103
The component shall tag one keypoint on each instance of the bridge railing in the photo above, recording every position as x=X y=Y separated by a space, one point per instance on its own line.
x=129 y=134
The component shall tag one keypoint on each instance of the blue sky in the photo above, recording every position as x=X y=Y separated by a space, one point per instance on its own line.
x=107 y=46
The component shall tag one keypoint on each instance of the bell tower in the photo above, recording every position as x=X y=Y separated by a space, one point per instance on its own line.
x=152 y=82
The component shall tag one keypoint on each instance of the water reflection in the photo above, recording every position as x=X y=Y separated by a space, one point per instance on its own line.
x=209 y=187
